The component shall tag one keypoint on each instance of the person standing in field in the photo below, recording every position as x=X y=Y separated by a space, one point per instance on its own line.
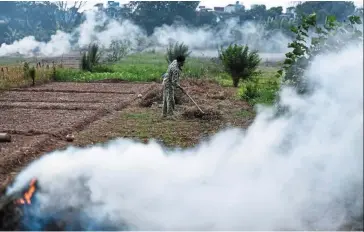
x=170 y=83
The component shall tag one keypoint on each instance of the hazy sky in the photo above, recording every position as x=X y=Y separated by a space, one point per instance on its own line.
x=246 y=3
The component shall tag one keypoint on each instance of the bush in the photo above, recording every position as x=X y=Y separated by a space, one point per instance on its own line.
x=175 y=50
x=26 y=70
x=90 y=58
x=250 y=90
x=32 y=75
x=239 y=62
x=119 y=49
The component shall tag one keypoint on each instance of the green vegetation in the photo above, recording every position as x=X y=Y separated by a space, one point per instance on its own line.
x=32 y=75
x=239 y=62
x=91 y=58
x=332 y=36
x=119 y=49
x=261 y=89
x=141 y=67
x=175 y=50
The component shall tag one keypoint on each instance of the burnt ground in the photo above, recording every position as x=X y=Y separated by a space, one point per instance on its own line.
x=39 y=118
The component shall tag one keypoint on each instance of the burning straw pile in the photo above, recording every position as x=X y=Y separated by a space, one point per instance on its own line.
x=22 y=210
x=12 y=207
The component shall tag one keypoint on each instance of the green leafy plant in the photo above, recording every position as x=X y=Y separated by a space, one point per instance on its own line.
x=176 y=49
x=26 y=70
x=90 y=58
x=332 y=36
x=102 y=69
x=251 y=90
x=239 y=62
x=32 y=75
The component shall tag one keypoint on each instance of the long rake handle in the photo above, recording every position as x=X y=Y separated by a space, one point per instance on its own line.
x=193 y=101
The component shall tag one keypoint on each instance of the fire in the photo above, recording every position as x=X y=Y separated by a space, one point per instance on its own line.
x=27 y=196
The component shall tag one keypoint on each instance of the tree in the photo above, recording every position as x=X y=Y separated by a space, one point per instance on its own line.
x=275 y=11
x=156 y=13
x=239 y=62
x=341 y=9
x=333 y=36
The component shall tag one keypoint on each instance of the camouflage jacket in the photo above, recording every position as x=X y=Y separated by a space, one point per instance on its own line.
x=173 y=74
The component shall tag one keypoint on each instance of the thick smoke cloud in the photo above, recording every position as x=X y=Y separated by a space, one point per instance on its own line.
x=302 y=171
x=198 y=39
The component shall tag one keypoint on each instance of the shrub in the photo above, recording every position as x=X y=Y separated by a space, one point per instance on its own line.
x=29 y=72
x=90 y=58
x=119 y=49
x=250 y=90
x=32 y=75
x=175 y=50
x=239 y=62
x=26 y=70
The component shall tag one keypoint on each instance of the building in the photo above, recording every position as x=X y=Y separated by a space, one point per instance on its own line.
x=231 y=8
x=113 y=4
x=219 y=9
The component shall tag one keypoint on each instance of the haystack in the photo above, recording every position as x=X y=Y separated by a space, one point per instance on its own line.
x=209 y=113
x=156 y=95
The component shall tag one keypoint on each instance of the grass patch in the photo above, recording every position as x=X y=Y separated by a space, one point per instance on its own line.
x=245 y=114
x=142 y=67
x=137 y=115
x=261 y=90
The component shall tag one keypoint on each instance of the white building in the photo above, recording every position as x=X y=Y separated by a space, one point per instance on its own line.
x=231 y=8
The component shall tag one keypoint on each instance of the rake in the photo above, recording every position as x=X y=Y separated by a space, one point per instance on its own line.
x=192 y=100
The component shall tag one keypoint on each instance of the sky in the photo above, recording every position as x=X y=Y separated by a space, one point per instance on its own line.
x=246 y=3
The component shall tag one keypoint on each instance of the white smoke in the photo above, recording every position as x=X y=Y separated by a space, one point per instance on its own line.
x=302 y=171
x=198 y=39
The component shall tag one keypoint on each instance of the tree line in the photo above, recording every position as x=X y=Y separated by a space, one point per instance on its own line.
x=42 y=19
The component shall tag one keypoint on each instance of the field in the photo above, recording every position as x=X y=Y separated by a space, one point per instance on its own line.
x=98 y=107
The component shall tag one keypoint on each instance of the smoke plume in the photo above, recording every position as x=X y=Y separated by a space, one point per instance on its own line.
x=302 y=171
x=200 y=40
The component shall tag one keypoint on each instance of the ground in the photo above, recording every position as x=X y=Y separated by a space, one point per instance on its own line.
x=39 y=118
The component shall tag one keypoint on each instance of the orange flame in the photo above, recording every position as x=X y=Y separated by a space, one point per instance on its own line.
x=28 y=194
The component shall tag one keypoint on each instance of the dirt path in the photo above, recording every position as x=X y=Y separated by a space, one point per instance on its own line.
x=39 y=118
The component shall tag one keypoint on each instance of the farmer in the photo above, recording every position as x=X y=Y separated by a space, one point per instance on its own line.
x=170 y=83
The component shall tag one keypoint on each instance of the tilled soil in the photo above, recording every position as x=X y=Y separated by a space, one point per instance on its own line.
x=142 y=119
x=39 y=118
x=58 y=106
x=67 y=87
x=58 y=97
x=46 y=121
